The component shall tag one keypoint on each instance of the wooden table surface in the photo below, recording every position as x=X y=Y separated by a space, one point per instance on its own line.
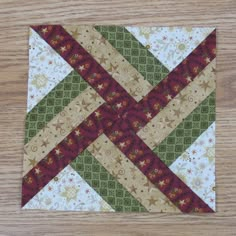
x=15 y=16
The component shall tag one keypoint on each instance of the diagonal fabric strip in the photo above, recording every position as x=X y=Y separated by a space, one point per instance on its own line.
x=53 y=103
x=105 y=184
x=130 y=176
x=134 y=52
x=187 y=132
x=112 y=61
x=92 y=72
x=179 y=108
x=87 y=140
x=60 y=126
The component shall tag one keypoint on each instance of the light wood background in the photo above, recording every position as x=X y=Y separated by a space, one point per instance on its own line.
x=15 y=16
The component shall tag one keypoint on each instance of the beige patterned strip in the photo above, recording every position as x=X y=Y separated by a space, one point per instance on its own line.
x=130 y=176
x=111 y=60
x=59 y=127
x=179 y=108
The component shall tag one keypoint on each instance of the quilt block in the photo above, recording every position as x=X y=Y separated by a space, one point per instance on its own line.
x=120 y=119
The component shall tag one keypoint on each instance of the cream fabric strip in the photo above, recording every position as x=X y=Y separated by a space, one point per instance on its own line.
x=179 y=108
x=130 y=176
x=59 y=127
x=111 y=60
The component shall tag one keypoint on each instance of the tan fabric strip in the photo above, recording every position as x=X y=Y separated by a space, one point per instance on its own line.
x=59 y=127
x=130 y=176
x=111 y=60
x=179 y=108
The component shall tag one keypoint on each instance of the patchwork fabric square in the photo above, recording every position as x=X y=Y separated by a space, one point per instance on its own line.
x=120 y=119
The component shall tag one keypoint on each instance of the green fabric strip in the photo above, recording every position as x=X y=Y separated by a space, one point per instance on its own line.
x=105 y=184
x=53 y=103
x=187 y=132
x=134 y=52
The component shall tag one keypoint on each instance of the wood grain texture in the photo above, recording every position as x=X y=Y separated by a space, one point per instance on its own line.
x=15 y=16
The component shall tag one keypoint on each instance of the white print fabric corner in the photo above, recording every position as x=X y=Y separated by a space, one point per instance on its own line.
x=170 y=45
x=196 y=166
x=46 y=69
x=68 y=191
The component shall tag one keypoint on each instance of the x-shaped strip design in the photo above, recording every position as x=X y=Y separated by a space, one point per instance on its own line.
x=120 y=118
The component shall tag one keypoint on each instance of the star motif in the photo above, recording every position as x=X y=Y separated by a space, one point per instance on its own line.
x=136 y=78
x=122 y=145
x=75 y=33
x=182 y=97
x=77 y=133
x=148 y=115
x=112 y=68
x=118 y=160
x=100 y=86
x=119 y=105
x=58 y=151
x=161 y=183
x=81 y=68
x=205 y=85
x=97 y=113
x=181 y=202
x=45 y=143
x=207 y=60
x=63 y=49
x=84 y=104
x=133 y=189
x=168 y=97
x=188 y=79
x=44 y=30
x=166 y=122
x=102 y=59
x=152 y=201
x=177 y=112
x=94 y=96
x=37 y=171
x=142 y=163
x=58 y=125
x=33 y=162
